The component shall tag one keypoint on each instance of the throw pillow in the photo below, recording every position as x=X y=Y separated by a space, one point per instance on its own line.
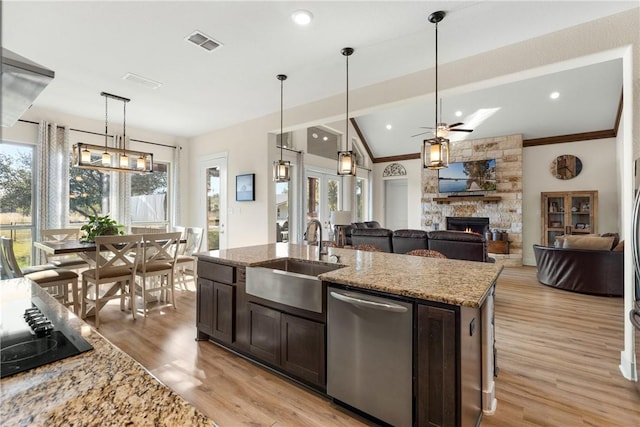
x=588 y=242
x=616 y=238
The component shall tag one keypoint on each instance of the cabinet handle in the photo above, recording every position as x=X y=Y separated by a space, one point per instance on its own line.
x=369 y=304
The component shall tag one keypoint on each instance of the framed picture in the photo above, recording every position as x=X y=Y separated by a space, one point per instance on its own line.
x=245 y=185
x=581 y=226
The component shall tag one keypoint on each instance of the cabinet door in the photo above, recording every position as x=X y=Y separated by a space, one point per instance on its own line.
x=554 y=215
x=582 y=213
x=204 y=311
x=302 y=352
x=224 y=312
x=436 y=394
x=264 y=333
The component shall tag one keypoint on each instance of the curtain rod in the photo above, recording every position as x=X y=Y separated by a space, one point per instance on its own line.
x=101 y=134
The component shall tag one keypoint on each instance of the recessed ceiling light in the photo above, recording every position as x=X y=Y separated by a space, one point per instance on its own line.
x=458 y=113
x=324 y=138
x=389 y=127
x=302 y=17
x=554 y=95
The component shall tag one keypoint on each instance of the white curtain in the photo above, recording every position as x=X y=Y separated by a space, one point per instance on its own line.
x=176 y=190
x=53 y=178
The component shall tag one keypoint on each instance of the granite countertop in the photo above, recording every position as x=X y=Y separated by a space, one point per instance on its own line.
x=103 y=386
x=455 y=282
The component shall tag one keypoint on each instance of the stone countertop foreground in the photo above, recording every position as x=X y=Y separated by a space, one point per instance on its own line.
x=102 y=387
x=455 y=282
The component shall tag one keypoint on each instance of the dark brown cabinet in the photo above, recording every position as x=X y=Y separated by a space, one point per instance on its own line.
x=449 y=368
x=224 y=312
x=204 y=310
x=264 y=333
x=436 y=366
x=216 y=302
x=294 y=344
x=303 y=348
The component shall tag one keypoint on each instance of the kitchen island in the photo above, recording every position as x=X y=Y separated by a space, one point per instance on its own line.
x=451 y=343
x=103 y=386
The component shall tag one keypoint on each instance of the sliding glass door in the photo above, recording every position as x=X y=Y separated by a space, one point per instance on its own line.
x=322 y=197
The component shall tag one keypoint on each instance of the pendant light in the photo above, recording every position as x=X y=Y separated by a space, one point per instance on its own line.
x=87 y=156
x=347 y=159
x=281 y=168
x=435 y=151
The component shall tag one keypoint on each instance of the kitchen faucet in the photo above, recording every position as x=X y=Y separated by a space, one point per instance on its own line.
x=319 y=227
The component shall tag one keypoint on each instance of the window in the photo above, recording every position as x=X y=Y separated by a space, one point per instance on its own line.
x=323 y=195
x=149 y=197
x=16 y=198
x=283 y=203
x=360 y=200
x=89 y=192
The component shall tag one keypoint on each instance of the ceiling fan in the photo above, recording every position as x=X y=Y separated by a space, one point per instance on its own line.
x=441 y=129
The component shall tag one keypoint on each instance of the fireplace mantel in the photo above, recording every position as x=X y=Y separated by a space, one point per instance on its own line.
x=488 y=199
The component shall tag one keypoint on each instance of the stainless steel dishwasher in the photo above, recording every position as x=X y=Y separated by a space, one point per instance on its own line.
x=369 y=354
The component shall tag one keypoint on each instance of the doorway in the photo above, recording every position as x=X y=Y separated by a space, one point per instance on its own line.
x=213 y=201
x=396 y=199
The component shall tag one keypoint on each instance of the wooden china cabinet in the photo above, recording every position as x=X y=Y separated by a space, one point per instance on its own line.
x=568 y=212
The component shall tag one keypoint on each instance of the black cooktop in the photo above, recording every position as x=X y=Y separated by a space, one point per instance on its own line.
x=32 y=335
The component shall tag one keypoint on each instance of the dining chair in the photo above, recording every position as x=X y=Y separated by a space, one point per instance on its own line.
x=427 y=253
x=186 y=262
x=71 y=261
x=116 y=263
x=62 y=284
x=158 y=261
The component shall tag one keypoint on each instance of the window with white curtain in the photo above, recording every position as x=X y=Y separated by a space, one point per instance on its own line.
x=149 y=197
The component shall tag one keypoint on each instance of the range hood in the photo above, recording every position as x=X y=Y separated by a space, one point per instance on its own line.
x=22 y=82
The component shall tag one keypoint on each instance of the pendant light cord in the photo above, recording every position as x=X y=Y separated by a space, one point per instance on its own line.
x=281 y=109
x=124 y=126
x=436 y=125
x=106 y=123
x=347 y=107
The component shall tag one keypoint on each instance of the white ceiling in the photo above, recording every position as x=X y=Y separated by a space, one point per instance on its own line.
x=91 y=45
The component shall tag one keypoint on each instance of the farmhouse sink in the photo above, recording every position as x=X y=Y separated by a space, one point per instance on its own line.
x=292 y=282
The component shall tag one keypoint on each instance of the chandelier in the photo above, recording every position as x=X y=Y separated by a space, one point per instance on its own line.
x=119 y=158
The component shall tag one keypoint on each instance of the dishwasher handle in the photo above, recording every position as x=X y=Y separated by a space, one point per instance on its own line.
x=369 y=304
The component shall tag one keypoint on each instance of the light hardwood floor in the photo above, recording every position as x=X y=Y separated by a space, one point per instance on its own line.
x=558 y=354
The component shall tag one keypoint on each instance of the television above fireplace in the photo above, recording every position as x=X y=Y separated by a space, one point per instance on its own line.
x=468 y=176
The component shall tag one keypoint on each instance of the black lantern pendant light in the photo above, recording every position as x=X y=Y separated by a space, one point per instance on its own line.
x=347 y=159
x=281 y=168
x=435 y=151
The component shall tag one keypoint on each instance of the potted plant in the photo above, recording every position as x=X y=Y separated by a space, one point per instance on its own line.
x=100 y=226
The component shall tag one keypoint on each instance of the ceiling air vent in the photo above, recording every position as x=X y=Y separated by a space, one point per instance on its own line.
x=204 y=41
x=143 y=81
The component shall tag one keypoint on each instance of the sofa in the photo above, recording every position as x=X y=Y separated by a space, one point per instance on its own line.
x=453 y=244
x=585 y=264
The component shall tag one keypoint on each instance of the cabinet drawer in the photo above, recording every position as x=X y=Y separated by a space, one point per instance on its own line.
x=218 y=272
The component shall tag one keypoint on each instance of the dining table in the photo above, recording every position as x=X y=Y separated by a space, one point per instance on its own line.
x=85 y=250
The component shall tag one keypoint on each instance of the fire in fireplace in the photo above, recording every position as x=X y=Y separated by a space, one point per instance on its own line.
x=469 y=224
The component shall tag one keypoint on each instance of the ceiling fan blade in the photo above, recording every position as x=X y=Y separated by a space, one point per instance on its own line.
x=460 y=130
x=418 y=134
x=426 y=127
x=455 y=124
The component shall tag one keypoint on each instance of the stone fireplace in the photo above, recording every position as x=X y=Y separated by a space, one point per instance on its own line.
x=471 y=224
x=502 y=207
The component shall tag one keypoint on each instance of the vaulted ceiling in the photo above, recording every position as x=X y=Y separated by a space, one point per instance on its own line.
x=91 y=45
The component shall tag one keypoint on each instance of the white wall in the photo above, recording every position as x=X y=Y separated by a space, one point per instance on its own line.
x=599 y=172
x=414 y=192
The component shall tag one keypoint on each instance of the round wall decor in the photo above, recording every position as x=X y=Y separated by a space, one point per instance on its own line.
x=566 y=166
